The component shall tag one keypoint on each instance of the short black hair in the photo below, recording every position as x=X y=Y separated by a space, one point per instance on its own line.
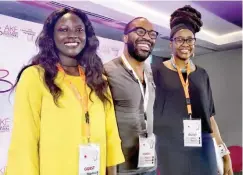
x=128 y=25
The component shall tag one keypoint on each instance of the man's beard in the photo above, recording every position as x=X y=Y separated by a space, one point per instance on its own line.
x=135 y=53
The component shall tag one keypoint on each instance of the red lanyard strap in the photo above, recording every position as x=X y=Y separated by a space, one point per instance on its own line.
x=185 y=85
x=81 y=97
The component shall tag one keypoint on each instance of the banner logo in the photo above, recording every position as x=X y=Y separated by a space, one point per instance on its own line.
x=30 y=34
x=9 y=31
x=4 y=125
x=5 y=85
x=2 y=170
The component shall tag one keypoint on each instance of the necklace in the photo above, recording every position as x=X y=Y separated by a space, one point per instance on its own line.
x=183 y=70
x=70 y=65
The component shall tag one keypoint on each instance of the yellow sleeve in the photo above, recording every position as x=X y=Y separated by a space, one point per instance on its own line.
x=23 y=157
x=113 y=141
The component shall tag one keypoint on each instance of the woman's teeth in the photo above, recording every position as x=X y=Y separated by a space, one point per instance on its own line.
x=185 y=51
x=71 y=44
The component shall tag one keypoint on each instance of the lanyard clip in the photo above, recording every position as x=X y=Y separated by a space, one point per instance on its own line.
x=87 y=117
x=190 y=116
x=146 y=124
x=145 y=116
x=188 y=101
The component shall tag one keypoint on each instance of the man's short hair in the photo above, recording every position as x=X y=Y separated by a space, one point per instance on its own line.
x=127 y=27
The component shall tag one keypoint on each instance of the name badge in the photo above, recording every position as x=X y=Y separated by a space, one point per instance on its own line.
x=192 y=133
x=146 y=151
x=89 y=159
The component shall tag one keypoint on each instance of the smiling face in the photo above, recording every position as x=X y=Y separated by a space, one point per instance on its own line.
x=183 y=49
x=69 y=35
x=139 y=47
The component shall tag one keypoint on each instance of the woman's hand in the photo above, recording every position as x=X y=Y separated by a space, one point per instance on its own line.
x=227 y=165
x=111 y=170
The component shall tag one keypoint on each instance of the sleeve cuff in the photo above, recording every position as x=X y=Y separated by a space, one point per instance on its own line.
x=114 y=153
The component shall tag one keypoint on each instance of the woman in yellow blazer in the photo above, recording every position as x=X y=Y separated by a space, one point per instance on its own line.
x=63 y=106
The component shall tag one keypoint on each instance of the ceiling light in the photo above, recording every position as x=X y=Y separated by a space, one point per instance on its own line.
x=136 y=9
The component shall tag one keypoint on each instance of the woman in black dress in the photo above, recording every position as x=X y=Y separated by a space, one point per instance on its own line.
x=184 y=109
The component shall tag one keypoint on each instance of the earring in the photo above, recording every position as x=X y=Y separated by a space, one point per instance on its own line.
x=193 y=54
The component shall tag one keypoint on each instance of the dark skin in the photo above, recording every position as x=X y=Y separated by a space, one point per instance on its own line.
x=135 y=41
x=70 y=40
x=182 y=53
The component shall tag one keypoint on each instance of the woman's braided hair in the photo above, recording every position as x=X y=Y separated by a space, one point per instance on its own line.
x=185 y=18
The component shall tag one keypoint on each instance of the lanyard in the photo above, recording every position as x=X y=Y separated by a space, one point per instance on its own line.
x=144 y=94
x=185 y=85
x=82 y=98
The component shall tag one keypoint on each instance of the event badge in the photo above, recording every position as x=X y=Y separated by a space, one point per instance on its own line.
x=192 y=133
x=89 y=159
x=146 y=151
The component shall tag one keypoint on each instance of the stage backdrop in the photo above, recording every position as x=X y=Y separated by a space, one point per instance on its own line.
x=17 y=46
